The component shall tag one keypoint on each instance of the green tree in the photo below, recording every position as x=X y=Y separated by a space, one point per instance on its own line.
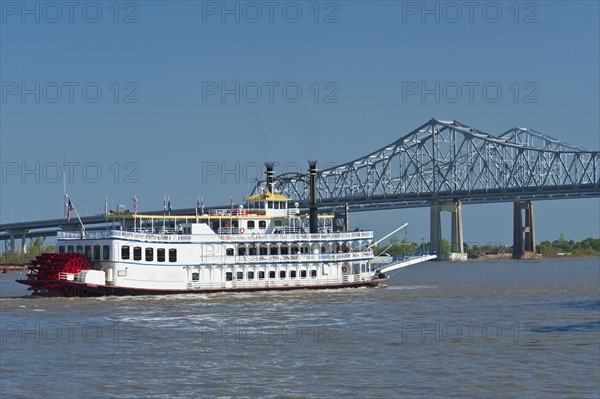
x=446 y=248
x=37 y=246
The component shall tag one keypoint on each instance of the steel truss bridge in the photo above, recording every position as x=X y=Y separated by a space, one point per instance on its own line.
x=441 y=164
x=448 y=160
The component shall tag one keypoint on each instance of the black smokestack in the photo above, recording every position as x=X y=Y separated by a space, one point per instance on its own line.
x=313 y=213
x=269 y=166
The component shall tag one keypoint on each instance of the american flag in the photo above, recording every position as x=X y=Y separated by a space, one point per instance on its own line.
x=70 y=207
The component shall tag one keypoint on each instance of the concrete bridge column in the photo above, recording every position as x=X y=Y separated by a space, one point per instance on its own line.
x=523 y=231
x=457 y=230
x=435 y=228
x=23 y=233
x=457 y=242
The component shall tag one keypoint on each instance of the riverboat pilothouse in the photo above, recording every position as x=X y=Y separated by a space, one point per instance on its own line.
x=268 y=243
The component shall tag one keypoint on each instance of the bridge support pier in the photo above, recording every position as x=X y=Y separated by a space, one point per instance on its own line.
x=23 y=233
x=523 y=232
x=435 y=232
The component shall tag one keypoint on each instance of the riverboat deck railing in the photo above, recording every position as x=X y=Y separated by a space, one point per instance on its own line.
x=285 y=237
x=304 y=257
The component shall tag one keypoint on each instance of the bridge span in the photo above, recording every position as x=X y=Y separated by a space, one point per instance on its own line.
x=441 y=165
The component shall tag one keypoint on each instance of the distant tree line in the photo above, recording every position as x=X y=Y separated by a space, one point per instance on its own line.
x=586 y=247
x=37 y=246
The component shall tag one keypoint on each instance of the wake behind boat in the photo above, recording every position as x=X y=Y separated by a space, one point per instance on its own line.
x=266 y=244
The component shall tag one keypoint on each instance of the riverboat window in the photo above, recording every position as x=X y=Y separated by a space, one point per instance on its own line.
x=241 y=251
x=70 y=249
x=277 y=205
x=125 y=252
x=240 y=275
x=274 y=250
x=250 y=275
x=271 y=274
x=96 y=252
x=263 y=250
x=313 y=273
x=261 y=275
x=137 y=253
x=252 y=250
x=302 y=273
x=229 y=251
x=105 y=252
x=270 y=204
x=278 y=223
x=160 y=254
x=262 y=224
x=284 y=250
x=149 y=254
x=195 y=276
x=61 y=249
x=229 y=276
x=293 y=274
x=282 y=274
x=250 y=224
x=88 y=251
x=172 y=255
x=80 y=249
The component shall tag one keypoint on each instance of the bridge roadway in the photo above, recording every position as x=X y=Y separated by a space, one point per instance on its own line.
x=442 y=165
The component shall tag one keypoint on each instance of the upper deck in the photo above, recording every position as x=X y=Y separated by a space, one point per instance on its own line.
x=212 y=238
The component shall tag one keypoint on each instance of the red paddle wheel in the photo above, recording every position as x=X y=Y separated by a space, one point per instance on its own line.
x=46 y=269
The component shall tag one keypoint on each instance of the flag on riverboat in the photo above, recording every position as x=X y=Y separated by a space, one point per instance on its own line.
x=70 y=207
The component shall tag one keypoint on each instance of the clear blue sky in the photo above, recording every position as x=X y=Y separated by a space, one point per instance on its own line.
x=165 y=124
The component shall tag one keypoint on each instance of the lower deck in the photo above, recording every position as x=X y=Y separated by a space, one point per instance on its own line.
x=197 y=277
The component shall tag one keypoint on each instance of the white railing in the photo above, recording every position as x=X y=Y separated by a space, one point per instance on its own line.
x=66 y=276
x=104 y=234
x=291 y=237
x=304 y=257
x=304 y=237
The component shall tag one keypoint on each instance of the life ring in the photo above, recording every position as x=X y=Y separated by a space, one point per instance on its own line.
x=242 y=230
x=344 y=269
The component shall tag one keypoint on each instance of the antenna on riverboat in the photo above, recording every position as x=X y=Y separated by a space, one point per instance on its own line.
x=313 y=211
x=64 y=173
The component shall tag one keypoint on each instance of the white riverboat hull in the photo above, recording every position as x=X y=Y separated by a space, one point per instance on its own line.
x=106 y=290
